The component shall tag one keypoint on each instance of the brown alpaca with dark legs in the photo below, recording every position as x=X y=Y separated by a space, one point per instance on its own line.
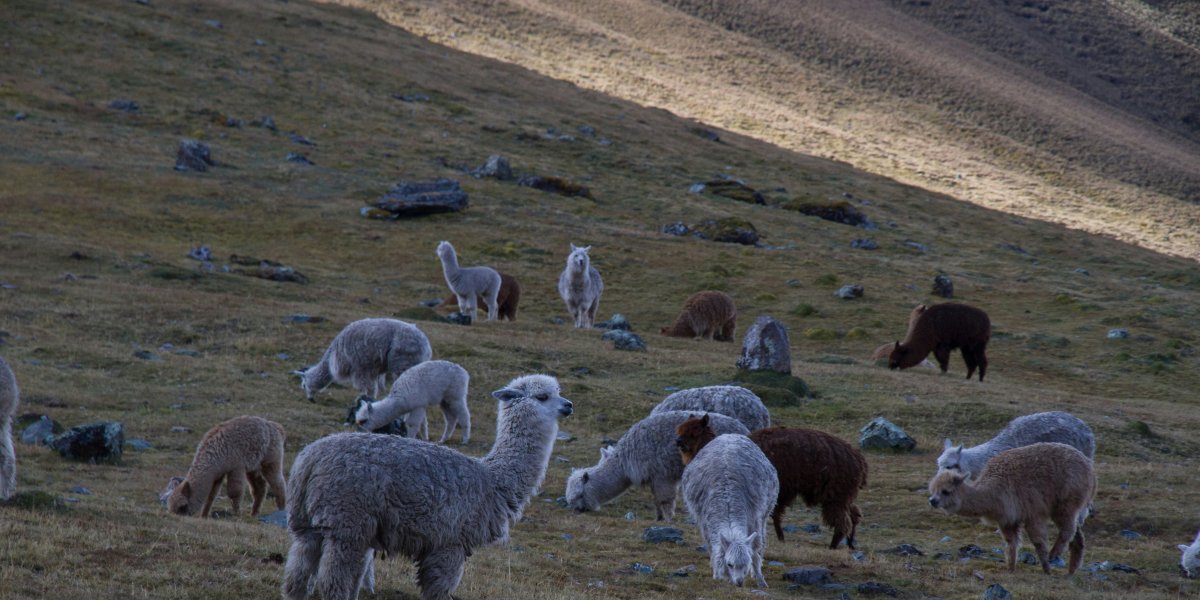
x=508 y=298
x=820 y=468
x=709 y=315
x=940 y=329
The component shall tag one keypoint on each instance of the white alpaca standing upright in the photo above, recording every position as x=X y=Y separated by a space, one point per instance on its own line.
x=9 y=399
x=469 y=282
x=580 y=286
x=353 y=492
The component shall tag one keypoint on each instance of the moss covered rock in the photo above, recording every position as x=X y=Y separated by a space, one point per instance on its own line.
x=730 y=230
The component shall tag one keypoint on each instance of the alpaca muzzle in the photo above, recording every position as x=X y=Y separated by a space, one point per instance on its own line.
x=567 y=408
x=933 y=501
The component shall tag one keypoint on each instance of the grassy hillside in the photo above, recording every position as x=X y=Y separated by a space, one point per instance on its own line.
x=95 y=226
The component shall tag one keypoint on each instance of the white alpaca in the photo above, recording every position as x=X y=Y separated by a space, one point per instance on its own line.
x=431 y=383
x=365 y=353
x=1190 y=560
x=469 y=282
x=353 y=492
x=580 y=286
x=729 y=400
x=9 y=399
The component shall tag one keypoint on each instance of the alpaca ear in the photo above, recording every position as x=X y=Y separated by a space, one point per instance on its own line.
x=507 y=394
x=573 y=248
x=300 y=372
x=185 y=489
x=1183 y=548
x=587 y=248
x=897 y=346
x=704 y=420
x=750 y=538
x=585 y=477
x=958 y=479
x=946 y=444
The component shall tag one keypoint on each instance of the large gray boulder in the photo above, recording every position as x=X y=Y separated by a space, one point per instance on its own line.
x=882 y=434
x=93 y=443
x=417 y=198
x=766 y=347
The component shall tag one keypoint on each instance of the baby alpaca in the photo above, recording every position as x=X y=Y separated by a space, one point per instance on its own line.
x=365 y=353
x=242 y=448
x=10 y=397
x=1025 y=487
x=469 y=282
x=431 y=383
x=1190 y=561
x=709 y=315
x=940 y=329
x=580 y=286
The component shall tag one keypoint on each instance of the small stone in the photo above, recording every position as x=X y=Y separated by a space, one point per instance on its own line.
x=696 y=188
x=299 y=139
x=1082 y=271
x=774 y=563
x=1118 y=334
x=496 y=166
x=20 y=116
x=790 y=529
x=971 y=551
x=617 y=322
x=124 y=105
x=147 y=355
x=1058 y=562
x=459 y=318
x=943 y=286
x=849 y=292
x=260 y=42
x=996 y=592
x=303 y=318
x=918 y=246
x=1130 y=534
x=564 y=436
x=684 y=571
x=40 y=430
x=181 y=429
x=1123 y=568
x=411 y=97
x=193 y=156
x=267 y=122
x=858 y=555
x=1028 y=558
x=79 y=489
x=792 y=283
x=234 y=122
x=904 y=550
x=641 y=568
x=629 y=516
x=808 y=575
x=96 y=442
x=214 y=23
x=885 y=435
x=139 y=444
x=300 y=159
x=624 y=340
x=587 y=130
x=676 y=228
x=277 y=518
x=946 y=539
x=864 y=244
x=568 y=537
x=658 y=535
x=810 y=528
x=874 y=588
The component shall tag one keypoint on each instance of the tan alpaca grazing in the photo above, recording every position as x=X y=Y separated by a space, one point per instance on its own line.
x=240 y=449
x=709 y=315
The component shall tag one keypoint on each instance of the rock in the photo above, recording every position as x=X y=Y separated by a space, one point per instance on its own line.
x=20 y=116
x=971 y=551
x=658 y=535
x=730 y=230
x=79 y=489
x=884 y=435
x=214 y=23
x=858 y=555
x=193 y=156
x=299 y=139
x=557 y=185
x=640 y=568
x=496 y=166
x=564 y=436
x=849 y=292
x=706 y=133
x=40 y=430
x=277 y=518
x=625 y=340
x=587 y=130
x=139 y=444
x=181 y=429
x=1082 y=271
x=616 y=322
x=418 y=198
x=918 y=246
x=125 y=105
x=568 y=537
x=459 y=318
x=303 y=318
x=234 y=122
x=684 y=571
x=1118 y=334
x=411 y=97
x=696 y=188
x=96 y=442
x=629 y=516
x=733 y=190
x=942 y=286
x=1130 y=534
x=864 y=244
x=874 y=588
x=676 y=228
x=431 y=303
x=1012 y=248
x=266 y=122
x=766 y=347
x=838 y=211
x=147 y=355
x=300 y=159
x=1123 y=568
x=808 y=575
x=201 y=253
x=267 y=269
x=904 y=550
x=996 y=592
x=1028 y=558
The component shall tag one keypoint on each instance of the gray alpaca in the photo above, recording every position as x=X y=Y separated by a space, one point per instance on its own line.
x=580 y=286
x=431 y=383
x=730 y=488
x=353 y=492
x=1055 y=426
x=645 y=455
x=729 y=400
x=364 y=354
x=469 y=282
x=9 y=399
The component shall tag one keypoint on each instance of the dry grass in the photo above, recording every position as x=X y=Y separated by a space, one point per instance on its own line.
x=81 y=178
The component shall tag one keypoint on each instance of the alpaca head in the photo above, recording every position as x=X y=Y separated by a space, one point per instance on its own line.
x=362 y=416
x=179 y=503
x=578 y=260
x=309 y=382
x=606 y=453
x=897 y=356
x=951 y=457
x=1190 y=561
x=692 y=435
x=944 y=490
x=445 y=249
x=172 y=483
x=737 y=556
x=581 y=496
x=535 y=395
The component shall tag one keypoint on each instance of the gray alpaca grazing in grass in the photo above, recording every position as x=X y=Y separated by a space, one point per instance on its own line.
x=729 y=400
x=580 y=286
x=1054 y=426
x=469 y=282
x=9 y=399
x=354 y=492
x=431 y=383
x=364 y=354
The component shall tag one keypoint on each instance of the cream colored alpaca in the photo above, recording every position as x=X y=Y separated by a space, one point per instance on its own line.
x=242 y=448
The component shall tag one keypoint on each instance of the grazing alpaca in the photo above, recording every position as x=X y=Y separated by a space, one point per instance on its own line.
x=354 y=492
x=709 y=315
x=365 y=353
x=431 y=383
x=1054 y=426
x=884 y=351
x=1025 y=487
x=580 y=286
x=729 y=400
x=10 y=397
x=645 y=455
x=1190 y=560
x=729 y=487
x=508 y=298
x=240 y=449
x=467 y=283
x=940 y=329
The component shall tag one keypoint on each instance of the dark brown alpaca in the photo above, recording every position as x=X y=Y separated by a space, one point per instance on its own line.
x=819 y=468
x=509 y=296
x=941 y=329
x=710 y=315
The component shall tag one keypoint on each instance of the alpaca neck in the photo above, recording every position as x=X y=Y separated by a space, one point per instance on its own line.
x=450 y=265
x=519 y=457
x=318 y=377
x=981 y=500
x=579 y=274
x=607 y=480
x=914 y=354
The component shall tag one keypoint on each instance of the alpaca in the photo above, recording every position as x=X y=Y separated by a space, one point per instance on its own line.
x=10 y=397
x=1055 y=426
x=431 y=383
x=940 y=329
x=1025 y=487
x=709 y=315
x=645 y=455
x=365 y=353
x=353 y=492
x=508 y=297
x=884 y=351
x=1190 y=560
x=240 y=449
x=730 y=487
x=729 y=400
x=580 y=286
x=469 y=282
x=820 y=468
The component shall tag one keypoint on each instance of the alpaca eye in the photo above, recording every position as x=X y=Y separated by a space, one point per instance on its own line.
x=945 y=492
x=542 y=397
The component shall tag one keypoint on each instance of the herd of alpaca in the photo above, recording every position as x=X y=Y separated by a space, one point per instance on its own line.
x=351 y=497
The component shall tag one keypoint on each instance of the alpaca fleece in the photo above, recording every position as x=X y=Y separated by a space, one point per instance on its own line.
x=508 y=298
x=709 y=315
x=729 y=400
x=240 y=449
x=10 y=398
x=1023 y=488
x=942 y=328
x=364 y=354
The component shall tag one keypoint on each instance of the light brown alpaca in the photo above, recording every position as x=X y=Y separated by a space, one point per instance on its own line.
x=884 y=351
x=1025 y=487
x=240 y=449
x=709 y=315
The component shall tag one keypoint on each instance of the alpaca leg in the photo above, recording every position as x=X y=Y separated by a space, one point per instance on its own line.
x=8 y=461
x=414 y=421
x=837 y=517
x=981 y=360
x=760 y=545
x=340 y=570
x=212 y=495
x=1011 y=535
x=1037 y=535
x=969 y=358
x=439 y=572
x=258 y=490
x=303 y=558
x=450 y=418
x=367 y=580
x=493 y=304
x=942 y=354
x=1076 y=551
x=855 y=517
x=1066 y=532
x=777 y=519
x=664 y=499
x=464 y=419
x=235 y=482
x=716 y=555
x=591 y=312
x=727 y=331
x=468 y=303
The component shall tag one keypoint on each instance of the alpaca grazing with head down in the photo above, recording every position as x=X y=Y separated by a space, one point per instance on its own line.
x=940 y=329
x=706 y=315
x=580 y=286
